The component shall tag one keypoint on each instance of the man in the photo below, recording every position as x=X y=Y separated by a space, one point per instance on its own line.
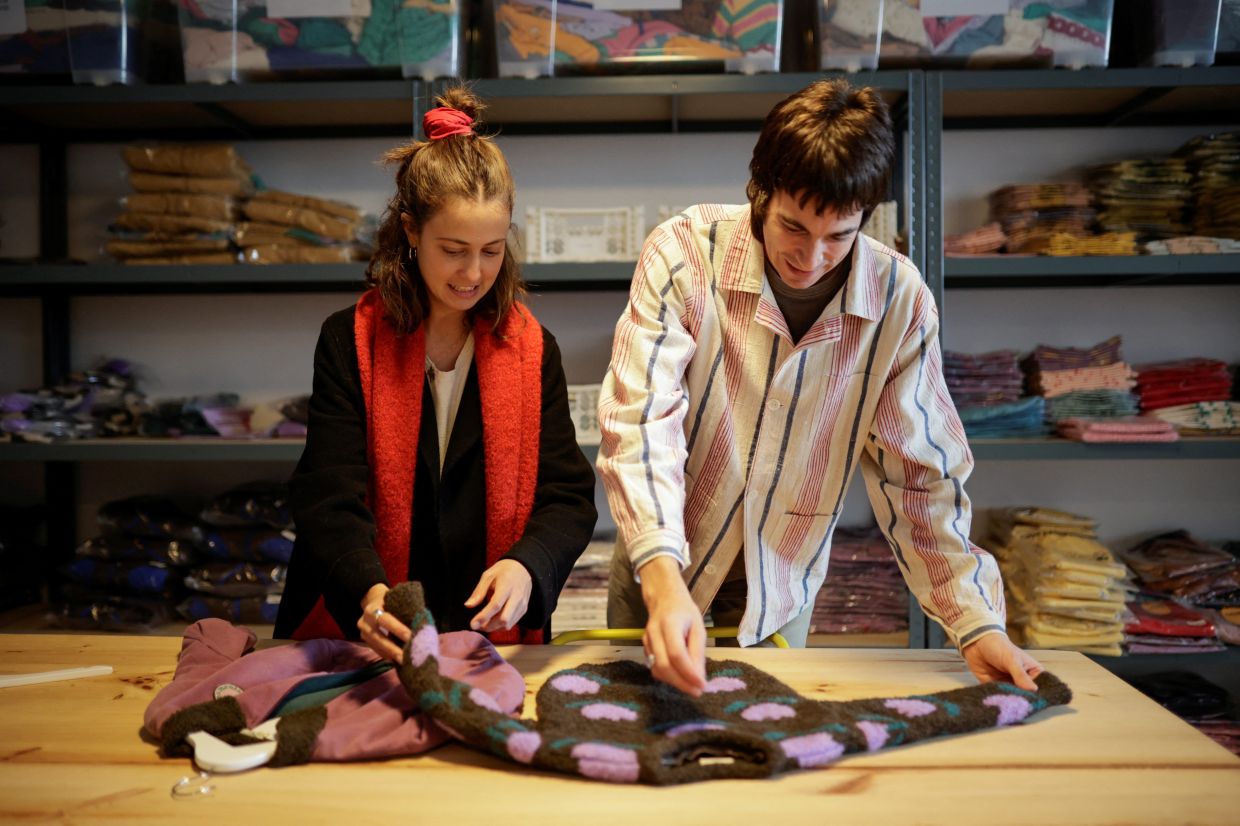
x=767 y=351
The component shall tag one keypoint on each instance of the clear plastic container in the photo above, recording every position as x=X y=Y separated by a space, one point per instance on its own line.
x=849 y=33
x=33 y=40
x=1227 y=46
x=106 y=42
x=1167 y=32
x=259 y=39
x=547 y=37
x=1069 y=33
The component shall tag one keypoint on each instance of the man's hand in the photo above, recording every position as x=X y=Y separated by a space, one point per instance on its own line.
x=509 y=586
x=675 y=638
x=380 y=630
x=994 y=657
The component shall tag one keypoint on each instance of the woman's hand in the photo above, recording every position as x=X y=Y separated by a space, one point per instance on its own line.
x=508 y=585
x=380 y=630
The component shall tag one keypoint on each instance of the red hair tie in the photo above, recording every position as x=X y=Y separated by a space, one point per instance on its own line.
x=445 y=121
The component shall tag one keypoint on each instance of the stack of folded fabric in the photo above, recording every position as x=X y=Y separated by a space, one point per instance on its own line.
x=986 y=388
x=1092 y=383
x=88 y=404
x=1033 y=214
x=286 y=228
x=1119 y=429
x=1179 y=566
x=1191 y=394
x=583 y=602
x=185 y=202
x=864 y=592
x=1192 y=245
x=1215 y=163
x=1163 y=626
x=1104 y=243
x=1064 y=588
x=130 y=577
x=1185 y=381
x=985 y=240
x=1151 y=198
x=247 y=539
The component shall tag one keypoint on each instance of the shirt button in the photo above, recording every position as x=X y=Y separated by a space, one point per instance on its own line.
x=773 y=405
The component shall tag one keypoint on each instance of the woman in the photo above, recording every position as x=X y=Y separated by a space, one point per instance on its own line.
x=440 y=445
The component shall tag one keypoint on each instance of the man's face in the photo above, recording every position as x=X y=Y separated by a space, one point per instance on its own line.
x=803 y=245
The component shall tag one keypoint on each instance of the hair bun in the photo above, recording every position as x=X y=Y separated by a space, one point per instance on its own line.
x=463 y=100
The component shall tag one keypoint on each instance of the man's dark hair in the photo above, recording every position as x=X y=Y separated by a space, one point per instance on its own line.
x=829 y=143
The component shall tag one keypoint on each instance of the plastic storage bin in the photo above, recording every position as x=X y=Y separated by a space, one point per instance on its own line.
x=849 y=33
x=1166 y=32
x=1227 y=47
x=33 y=40
x=234 y=40
x=106 y=40
x=1071 y=33
x=547 y=37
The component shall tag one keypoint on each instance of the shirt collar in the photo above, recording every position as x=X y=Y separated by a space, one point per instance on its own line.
x=744 y=268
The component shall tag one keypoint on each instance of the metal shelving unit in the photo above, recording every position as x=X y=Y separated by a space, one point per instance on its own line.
x=925 y=103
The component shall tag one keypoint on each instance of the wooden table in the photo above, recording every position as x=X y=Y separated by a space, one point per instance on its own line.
x=72 y=752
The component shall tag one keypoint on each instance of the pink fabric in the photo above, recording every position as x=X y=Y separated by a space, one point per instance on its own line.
x=373 y=719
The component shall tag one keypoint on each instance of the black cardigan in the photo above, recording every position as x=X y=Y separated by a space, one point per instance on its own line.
x=335 y=554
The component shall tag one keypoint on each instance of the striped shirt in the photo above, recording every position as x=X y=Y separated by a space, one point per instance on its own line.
x=720 y=436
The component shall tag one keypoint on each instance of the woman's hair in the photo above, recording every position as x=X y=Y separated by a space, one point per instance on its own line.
x=429 y=173
x=829 y=143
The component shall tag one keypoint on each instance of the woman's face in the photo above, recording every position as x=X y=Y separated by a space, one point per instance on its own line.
x=459 y=252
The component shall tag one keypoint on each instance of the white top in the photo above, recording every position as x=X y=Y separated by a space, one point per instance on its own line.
x=446 y=389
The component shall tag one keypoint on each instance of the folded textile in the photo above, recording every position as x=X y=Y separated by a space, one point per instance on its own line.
x=1115 y=376
x=1202 y=418
x=1126 y=429
x=216 y=207
x=980 y=241
x=207 y=160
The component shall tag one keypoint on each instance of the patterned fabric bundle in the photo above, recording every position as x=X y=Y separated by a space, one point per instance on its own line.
x=1033 y=214
x=1064 y=588
x=1107 y=243
x=986 y=388
x=615 y=722
x=864 y=592
x=1215 y=163
x=1121 y=429
x=985 y=240
x=1186 y=381
x=1202 y=418
x=1090 y=383
x=1192 y=245
x=1148 y=197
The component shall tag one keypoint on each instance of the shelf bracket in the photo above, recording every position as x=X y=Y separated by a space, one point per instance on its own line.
x=242 y=127
x=1135 y=104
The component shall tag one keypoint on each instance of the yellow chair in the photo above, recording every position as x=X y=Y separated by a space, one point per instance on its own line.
x=565 y=637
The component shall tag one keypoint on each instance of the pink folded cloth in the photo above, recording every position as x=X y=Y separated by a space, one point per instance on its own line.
x=1117 y=376
x=1120 y=429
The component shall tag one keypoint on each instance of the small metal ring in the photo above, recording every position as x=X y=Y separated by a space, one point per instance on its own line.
x=378 y=612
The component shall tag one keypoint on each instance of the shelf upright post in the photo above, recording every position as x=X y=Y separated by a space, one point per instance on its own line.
x=59 y=478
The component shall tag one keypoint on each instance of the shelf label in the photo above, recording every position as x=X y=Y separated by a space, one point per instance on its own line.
x=12 y=16
x=636 y=5
x=953 y=8
x=317 y=8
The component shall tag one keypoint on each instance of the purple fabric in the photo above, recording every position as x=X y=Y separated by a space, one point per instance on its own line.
x=374 y=719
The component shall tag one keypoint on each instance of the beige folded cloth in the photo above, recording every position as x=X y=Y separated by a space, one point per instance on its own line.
x=152 y=182
x=147 y=249
x=190 y=258
x=169 y=223
x=218 y=207
x=209 y=160
x=317 y=222
x=341 y=210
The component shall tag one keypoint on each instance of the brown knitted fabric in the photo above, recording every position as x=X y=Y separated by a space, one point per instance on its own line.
x=615 y=722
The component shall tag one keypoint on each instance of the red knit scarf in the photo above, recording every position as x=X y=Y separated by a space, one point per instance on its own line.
x=510 y=382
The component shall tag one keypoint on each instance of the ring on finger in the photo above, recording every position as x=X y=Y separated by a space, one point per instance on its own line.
x=378 y=612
